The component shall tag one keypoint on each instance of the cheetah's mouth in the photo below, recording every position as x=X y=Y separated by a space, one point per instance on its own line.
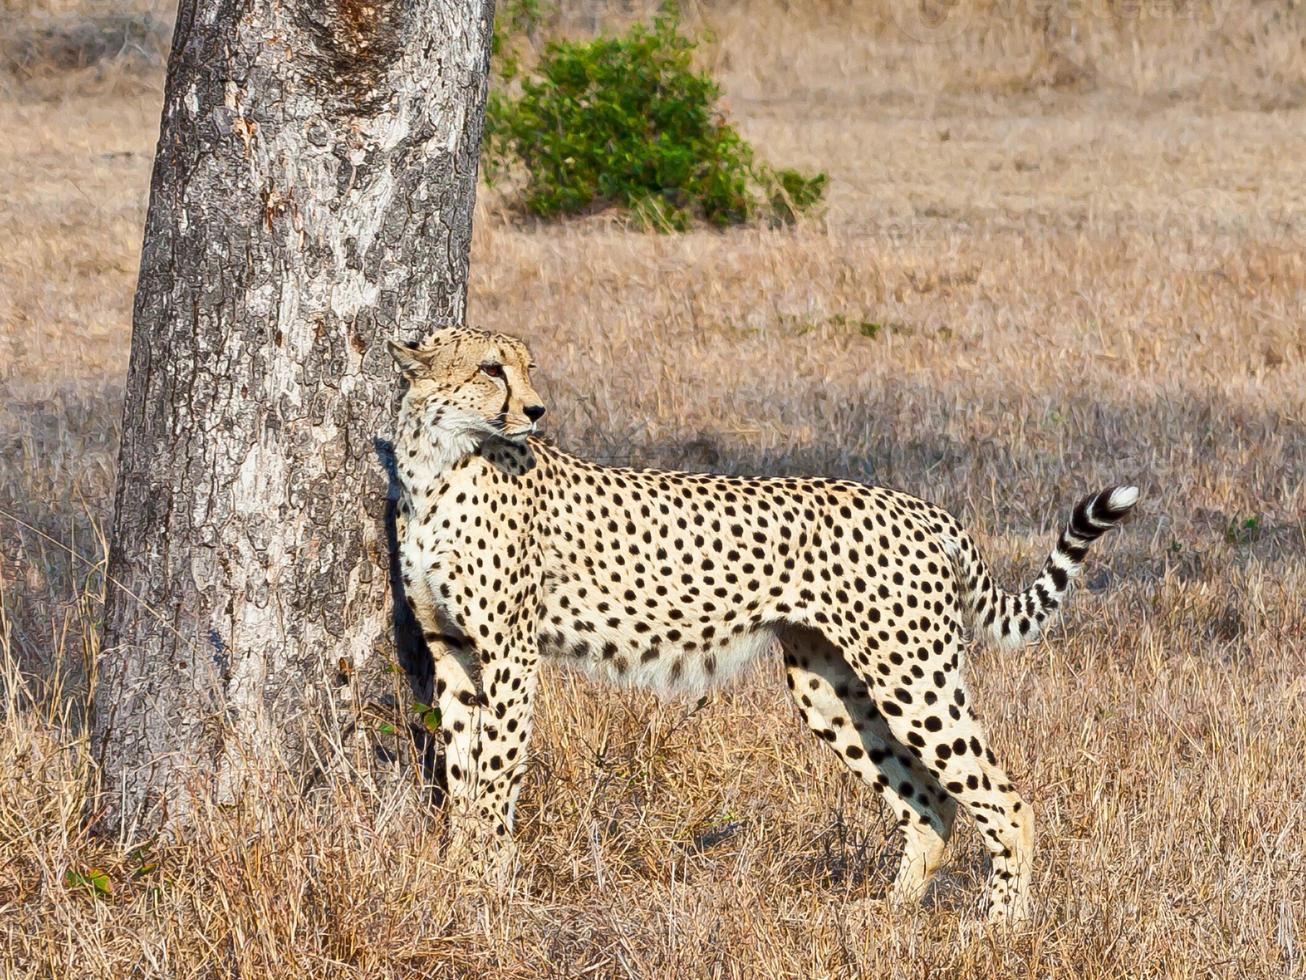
x=518 y=435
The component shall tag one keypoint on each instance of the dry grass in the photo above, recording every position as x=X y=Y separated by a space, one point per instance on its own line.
x=1072 y=275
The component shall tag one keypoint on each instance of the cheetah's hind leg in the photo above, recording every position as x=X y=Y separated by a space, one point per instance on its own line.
x=961 y=760
x=837 y=706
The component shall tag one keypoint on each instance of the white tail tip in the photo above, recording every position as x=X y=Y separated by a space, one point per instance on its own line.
x=1122 y=498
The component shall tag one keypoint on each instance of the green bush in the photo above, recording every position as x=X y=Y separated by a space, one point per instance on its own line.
x=626 y=121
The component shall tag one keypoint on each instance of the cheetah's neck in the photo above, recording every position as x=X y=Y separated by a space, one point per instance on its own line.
x=428 y=447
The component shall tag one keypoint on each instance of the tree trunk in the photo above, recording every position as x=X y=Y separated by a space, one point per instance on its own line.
x=312 y=195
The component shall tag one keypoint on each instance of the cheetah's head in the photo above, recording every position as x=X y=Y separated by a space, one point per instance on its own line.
x=471 y=384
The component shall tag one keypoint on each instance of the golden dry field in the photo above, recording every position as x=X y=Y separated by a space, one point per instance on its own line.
x=1065 y=246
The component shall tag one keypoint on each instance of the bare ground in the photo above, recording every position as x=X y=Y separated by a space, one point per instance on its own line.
x=1059 y=252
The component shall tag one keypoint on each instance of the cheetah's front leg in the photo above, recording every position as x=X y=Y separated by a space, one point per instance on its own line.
x=484 y=698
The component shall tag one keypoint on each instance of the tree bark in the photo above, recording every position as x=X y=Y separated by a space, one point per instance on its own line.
x=312 y=195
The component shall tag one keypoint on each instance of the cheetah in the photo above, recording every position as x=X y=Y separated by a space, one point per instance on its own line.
x=512 y=550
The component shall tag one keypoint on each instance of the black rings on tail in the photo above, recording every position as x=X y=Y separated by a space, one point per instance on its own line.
x=1012 y=619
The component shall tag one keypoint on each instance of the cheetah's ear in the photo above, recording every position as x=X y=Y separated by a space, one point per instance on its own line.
x=413 y=361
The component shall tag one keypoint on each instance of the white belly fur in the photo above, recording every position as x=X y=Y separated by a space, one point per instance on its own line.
x=660 y=674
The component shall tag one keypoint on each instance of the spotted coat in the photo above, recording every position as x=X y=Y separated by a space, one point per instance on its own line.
x=513 y=550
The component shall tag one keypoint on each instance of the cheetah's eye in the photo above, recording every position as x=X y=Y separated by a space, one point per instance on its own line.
x=493 y=370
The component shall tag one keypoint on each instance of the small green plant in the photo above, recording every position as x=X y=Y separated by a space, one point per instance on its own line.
x=870 y=329
x=1244 y=532
x=627 y=122
x=145 y=863
x=790 y=192
x=429 y=717
x=93 y=880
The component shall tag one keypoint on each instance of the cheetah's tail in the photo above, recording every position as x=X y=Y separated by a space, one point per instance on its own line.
x=1012 y=619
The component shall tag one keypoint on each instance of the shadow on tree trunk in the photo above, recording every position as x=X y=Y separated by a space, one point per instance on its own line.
x=411 y=651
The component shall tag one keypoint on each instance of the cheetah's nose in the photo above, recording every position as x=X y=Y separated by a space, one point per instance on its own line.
x=533 y=412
